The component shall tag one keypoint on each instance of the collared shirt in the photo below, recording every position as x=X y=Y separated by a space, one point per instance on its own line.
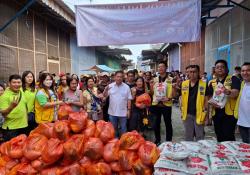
x=118 y=99
x=244 y=110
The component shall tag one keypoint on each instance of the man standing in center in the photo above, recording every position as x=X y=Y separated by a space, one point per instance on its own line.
x=194 y=98
x=162 y=102
x=119 y=102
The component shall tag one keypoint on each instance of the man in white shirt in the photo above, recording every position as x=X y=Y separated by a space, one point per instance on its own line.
x=119 y=102
x=242 y=109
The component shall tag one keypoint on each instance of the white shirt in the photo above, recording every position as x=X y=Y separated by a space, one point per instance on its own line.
x=244 y=107
x=118 y=99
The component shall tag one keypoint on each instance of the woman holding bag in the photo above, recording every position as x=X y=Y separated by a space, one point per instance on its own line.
x=92 y=101
x=46 y=103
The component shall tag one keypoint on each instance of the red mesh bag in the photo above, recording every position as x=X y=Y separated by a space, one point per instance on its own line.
x=7 y=162
x=73 y=149
x=74 y=169
x=26 y=169
x=50 y=171
x=131 y=141
x=143 y=99
x=4 y=148
x=38 y=164
x=90 y=129
x=77 y=121
x=61 y=130
x=64 y=111
x=115 y=167
x=45 y=129
x=139 y=168
x=34 y=146
x=126 y=173
x=100 y=168
x=126 y=159
x=16 y=146
x=105 y=131
x=85 y=162
x=111 y=151
x=93 y=148
x=53 y=151
x=148 y=153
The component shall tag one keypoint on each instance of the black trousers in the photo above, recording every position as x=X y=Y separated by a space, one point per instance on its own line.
x=136 y=120
x=9 y=134
x=157 y=112
x=224 y=126
x=245 y=134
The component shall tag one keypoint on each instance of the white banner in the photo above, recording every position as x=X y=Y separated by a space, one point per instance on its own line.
x=168 y=21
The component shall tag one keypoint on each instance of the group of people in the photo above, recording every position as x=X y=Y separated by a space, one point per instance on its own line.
x=26 y=102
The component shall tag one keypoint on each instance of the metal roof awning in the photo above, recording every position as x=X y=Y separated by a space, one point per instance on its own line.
x=100 y=68
x=114 y=51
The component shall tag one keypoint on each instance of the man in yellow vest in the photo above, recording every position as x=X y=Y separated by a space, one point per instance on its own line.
x=223 y=118
x=242 y=109
x=162 y=102
x=194 y=97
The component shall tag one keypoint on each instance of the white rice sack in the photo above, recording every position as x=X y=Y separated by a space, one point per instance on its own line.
x=238 y=148
x=207 y=146
x=168 y=163
x=175 y=151
x=192 y=146
x=198 y=164
x=224 y=165
x=244 y=164
x=165 y=171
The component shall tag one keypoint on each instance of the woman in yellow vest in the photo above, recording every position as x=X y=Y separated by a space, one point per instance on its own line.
x=162 y=102
x=242 y=110
x=223 y=118
x=194 y=97
x=46 y=103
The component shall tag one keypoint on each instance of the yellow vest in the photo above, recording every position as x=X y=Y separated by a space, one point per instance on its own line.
x=236 y=110
x=44 y=114
x=168 y=82
x=200 y=101
x=230 y=104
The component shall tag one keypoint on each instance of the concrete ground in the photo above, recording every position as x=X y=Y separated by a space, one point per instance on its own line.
x=178 y=129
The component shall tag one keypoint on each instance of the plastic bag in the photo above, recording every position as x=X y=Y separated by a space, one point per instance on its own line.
x=126 y=159
x=73 y=149
x=238 y=148
x=198 y=164
x=77 y=121
x=26 y=169
x=45 y=129
x=74 y=169
x=131 y=141
x=53 y=151
x=168 y=163
x=192 y=146
x=93 y=148
x=148 y=153
x=90 y=129
x=244 y=164
x=143 y=99
x=61 y=130
x=222 y=164
x=111 y=151
x=219 y=98
x=165 y=171
x=34 y=146
x=105 y=131
x=175 y=151
x=64 y=111
x=115 y=167
x=99 y=169
x=50 y=171
x=16 y=146
x=139 y=168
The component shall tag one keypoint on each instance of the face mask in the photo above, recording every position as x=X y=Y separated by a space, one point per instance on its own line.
x=47 y=83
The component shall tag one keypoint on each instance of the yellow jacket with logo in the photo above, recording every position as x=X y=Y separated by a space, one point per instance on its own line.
x=236 y=110
x=168 y=82
x=200 y=101
x=44 y=114
x=230 y=104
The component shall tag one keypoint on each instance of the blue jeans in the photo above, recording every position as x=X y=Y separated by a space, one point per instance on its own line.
x=122 y=123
